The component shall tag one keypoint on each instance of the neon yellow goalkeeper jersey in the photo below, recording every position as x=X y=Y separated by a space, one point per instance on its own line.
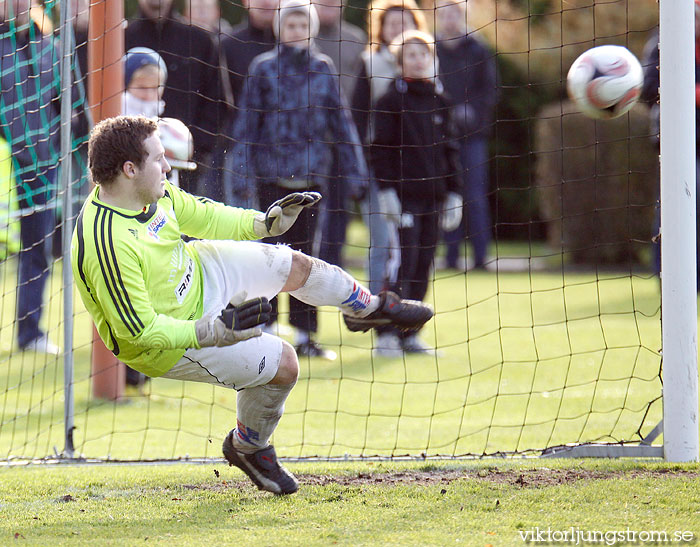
x=141 y=283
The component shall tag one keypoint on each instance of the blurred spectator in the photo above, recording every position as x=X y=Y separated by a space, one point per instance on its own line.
x=145 y=75
x=416 y=163
x=377 y=68
x=206 y=14
x=344 y=43
x=248 y=40
x=292 y=119
x=29 y=118
x=145 y=78
x=193 y=93
x=468 y=72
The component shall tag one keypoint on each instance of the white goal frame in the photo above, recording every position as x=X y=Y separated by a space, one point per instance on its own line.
x=678 y=225
x=678 y=252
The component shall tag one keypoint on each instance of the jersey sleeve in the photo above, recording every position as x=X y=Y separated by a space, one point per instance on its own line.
x=206 y=219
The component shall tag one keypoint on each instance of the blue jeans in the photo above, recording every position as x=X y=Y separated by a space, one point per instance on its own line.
x=35 y=230
x=476 y=217
x=379 y=241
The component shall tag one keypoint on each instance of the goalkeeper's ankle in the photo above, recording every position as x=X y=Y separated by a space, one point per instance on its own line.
x=360 y=303
x=374 y=302
x=242 y=446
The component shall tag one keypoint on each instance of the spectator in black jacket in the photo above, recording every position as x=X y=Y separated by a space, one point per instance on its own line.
x=246 y=41
x=207 y=15
x=468 y=71
x=416 y=164
x=193 y=93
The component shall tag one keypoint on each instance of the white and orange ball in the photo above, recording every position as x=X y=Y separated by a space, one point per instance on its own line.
x=605 y=81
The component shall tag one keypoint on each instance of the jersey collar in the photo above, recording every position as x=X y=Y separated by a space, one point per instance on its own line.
x=143 y=216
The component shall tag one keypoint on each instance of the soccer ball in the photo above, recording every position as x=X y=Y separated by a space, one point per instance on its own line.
x=177 y=142
x=605 y=81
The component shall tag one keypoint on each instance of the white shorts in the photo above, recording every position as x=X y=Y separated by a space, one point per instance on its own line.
x=243 y=269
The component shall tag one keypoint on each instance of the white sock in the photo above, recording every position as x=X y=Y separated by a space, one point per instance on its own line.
x=258 y=410
x=329 y=285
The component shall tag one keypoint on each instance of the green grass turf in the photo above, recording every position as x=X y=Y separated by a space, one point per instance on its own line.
x=470 y=503
x=526 y=360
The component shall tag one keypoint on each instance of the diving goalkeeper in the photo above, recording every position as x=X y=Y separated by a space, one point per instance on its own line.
x=194 y=310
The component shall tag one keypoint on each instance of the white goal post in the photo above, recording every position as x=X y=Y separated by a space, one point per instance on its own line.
x=678 y=229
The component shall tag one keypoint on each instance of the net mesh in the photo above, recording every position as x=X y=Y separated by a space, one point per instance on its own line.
x=551 y=337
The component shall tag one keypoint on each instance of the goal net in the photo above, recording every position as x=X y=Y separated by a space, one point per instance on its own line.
x=547 y=327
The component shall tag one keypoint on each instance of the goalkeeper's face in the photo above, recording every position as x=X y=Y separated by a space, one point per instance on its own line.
x=149 y=179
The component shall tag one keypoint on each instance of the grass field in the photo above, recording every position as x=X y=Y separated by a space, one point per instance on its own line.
x=526 y=360
x=469 y=503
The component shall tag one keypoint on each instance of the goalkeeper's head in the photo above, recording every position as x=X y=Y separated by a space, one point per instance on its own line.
x=116 y=141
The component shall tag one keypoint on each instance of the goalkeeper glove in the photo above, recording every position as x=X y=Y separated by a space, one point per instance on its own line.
x=451 y=212
x=234 y=324
x=282 y=213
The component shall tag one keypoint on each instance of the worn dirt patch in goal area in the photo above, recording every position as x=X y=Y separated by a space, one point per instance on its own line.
x=525 y=478
x=536 y=477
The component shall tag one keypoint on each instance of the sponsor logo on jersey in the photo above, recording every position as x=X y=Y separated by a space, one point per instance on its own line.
x=156 y=225
x=261 y=366
x=185 y=283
